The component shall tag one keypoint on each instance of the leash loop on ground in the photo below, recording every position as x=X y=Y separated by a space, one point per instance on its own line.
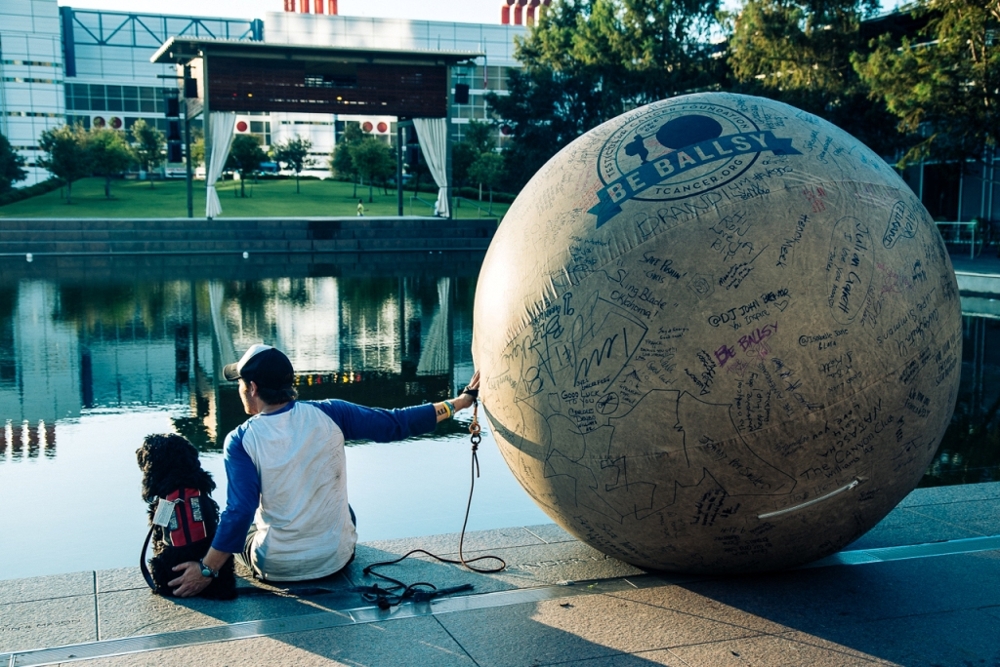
x=391 y=596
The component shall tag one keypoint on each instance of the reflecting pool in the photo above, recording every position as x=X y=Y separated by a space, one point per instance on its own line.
x=88 y=368
x=95 y=355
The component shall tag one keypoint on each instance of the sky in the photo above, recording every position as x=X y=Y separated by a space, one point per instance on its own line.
x=465 y=11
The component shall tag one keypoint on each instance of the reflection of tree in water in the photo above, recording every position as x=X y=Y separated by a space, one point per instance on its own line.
x=970 y=449
x=8 y=363
x=252 y=295
x=294 y=291
x=194 y=429
x=113 y=304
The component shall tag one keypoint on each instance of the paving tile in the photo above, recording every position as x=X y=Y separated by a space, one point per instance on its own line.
x=409 y=642
x=527 y=566
x=981 y=517
x=120 y=579
x=43 y=588
x=139 y=612
x=550 y=532
x=578 y=628
x=44 y=623
x=933 y=640
x=794 y=650
x=691 y=603
x=950 y=494
x=560 y=562
x=448 y=543
x=644 y=659
x=910 y=526
x=421 y=569
x=840 y=599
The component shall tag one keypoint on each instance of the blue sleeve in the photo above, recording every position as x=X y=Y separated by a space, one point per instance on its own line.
x=378 y=424
x=242 y=495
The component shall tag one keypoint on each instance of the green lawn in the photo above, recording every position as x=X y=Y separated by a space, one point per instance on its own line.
x=270 y=198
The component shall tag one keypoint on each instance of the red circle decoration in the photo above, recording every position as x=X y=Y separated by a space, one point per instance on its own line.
x=367 y=126
x=505 y=130
x=116 y=122
x=382 y=126
x=241 y=126
x=98 y=121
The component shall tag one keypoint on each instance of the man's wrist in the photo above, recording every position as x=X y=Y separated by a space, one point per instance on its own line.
x=206 y=571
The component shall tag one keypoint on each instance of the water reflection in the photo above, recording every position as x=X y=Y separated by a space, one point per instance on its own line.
x=970 y=450
x=67 y=350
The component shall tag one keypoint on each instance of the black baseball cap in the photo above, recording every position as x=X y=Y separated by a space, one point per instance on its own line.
x=265 y=365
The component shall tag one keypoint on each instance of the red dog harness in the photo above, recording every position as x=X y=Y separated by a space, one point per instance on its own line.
x=187 y=524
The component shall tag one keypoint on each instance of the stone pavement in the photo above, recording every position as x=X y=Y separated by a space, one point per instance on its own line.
x=922 y=588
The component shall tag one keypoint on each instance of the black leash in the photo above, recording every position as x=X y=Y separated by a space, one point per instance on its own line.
x=423 y=591
x=142 y=561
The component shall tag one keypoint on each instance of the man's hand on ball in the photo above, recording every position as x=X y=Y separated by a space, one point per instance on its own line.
x=466 y=400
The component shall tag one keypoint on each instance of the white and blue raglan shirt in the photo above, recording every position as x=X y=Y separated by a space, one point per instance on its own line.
x=287 y=473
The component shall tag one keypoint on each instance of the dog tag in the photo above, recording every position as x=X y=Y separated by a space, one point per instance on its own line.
x=164 y=511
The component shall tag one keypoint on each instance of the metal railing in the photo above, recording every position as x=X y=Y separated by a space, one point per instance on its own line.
x=961 y=233
x=431 y=204
x=480 y=211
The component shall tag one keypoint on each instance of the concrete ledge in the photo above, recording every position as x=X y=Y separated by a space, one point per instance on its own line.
x=175 y=235
x=557 y=602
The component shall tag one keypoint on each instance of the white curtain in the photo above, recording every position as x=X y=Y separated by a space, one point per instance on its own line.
x=432 y=133
x=221 y=128
x=435 y=356
x=223 y=336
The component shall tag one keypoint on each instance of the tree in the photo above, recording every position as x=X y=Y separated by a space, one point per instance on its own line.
x=418 y=170
x=245 y=157
x=197 y=147
x=66 y=154
x=487 y=170
x=478 y=139
x=295 y=154
x=148 y=143
x=799 y=52
x=342 y=163
x=11 y=165
x=944 y=85
x=110 y=154
x=538 y=116
x=373 y=160
x=587 y=61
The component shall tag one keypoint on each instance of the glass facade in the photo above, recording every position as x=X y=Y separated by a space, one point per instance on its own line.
x=92 y=67
x=100 y=97
x=31 y=77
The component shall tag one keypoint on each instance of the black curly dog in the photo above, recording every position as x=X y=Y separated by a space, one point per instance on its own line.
x=170 y=469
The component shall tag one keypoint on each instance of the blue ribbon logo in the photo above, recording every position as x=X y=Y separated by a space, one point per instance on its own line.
x=684 y=159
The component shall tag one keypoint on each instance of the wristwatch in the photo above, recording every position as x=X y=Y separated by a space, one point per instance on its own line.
x=206 y=571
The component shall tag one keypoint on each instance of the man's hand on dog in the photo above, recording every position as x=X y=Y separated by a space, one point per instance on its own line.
x=190 y=583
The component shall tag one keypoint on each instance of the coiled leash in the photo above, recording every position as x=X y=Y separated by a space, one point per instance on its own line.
x=423 y=591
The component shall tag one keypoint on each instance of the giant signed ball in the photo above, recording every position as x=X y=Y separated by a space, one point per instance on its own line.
x=717 y=334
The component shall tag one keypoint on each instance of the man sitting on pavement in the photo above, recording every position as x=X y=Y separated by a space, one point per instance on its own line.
x=287 y=515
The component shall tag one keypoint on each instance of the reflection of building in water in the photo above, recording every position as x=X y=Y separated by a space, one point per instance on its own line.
x=340 y=325
x=298 y=315
x=27 y=440
x=435 y=358
x=68 y=349
x=40 y=370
